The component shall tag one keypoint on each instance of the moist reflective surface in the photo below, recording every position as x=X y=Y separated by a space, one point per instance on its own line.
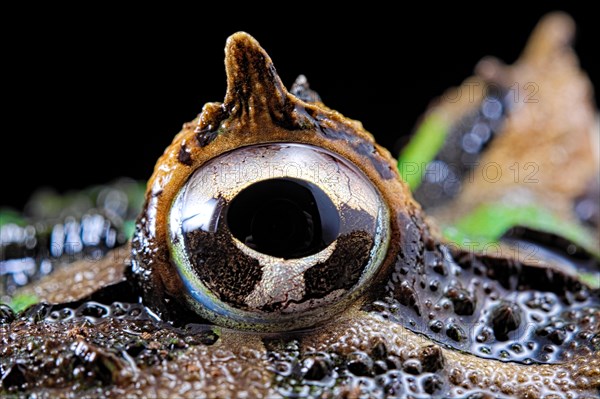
x=277 y=231
x=358 y=294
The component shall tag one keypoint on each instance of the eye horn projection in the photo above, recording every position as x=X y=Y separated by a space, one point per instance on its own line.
x=270 y=211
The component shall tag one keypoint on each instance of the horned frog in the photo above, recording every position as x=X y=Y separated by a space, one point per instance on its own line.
x=279 y=253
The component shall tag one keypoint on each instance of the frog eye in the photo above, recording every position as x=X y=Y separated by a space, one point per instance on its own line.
x=269 y=211
x=276 y=236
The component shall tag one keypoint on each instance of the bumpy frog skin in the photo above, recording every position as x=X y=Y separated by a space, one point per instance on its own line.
x=429 y=319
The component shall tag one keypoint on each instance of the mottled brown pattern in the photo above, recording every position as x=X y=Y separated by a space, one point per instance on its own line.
x=343 y=268
x=225 y=270
x=376 y=347
x=257 y=109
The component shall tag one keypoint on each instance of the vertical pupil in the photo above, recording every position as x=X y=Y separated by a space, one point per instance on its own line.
x=287 y=218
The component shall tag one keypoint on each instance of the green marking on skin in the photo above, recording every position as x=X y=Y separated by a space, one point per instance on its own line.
x=422 y=148
x=8 y=216
x=486 y=224
x=22 y=301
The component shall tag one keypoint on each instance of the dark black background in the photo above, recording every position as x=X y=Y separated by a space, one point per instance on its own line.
x=100 y=95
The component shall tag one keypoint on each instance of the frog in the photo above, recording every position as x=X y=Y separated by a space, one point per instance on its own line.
x=279 y=252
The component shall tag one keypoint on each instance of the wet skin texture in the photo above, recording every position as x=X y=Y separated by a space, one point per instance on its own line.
x=431 y=320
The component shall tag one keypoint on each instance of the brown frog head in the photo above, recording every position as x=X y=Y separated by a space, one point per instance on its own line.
x=280 y=254
x=269 y=211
